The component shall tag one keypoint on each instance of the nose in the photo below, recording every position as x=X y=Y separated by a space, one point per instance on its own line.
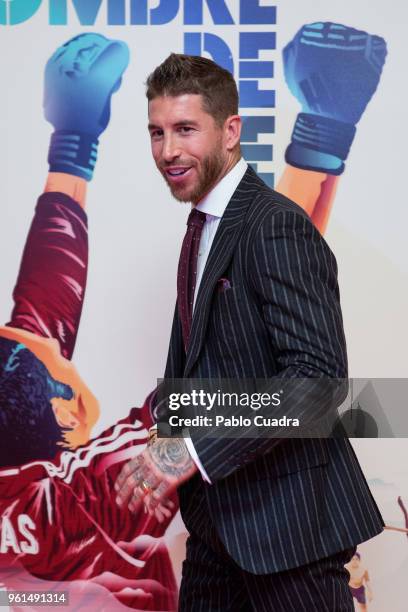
x=171 y=148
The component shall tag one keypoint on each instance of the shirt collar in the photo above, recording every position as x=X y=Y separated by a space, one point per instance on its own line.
x=215 y=202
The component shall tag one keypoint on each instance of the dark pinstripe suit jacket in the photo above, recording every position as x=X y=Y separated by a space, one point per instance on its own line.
x=275 y=504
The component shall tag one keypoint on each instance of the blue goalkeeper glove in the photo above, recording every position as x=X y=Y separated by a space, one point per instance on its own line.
x=333 y=71
x=80 y=79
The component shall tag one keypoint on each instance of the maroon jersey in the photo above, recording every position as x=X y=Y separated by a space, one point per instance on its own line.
x=60 y=523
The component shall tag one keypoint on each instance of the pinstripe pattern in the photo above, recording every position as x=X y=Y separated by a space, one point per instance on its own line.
x=213 y=582
x=275 y=506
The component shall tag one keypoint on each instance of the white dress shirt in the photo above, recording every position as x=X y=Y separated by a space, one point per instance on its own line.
x=213 y=205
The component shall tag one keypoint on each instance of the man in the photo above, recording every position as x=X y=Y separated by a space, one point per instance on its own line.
x=360 y=584
x=271 y=521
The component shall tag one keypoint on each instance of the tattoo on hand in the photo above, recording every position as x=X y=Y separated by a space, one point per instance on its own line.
x=171 y=456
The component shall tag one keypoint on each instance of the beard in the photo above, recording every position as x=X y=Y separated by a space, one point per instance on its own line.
x=211 y=170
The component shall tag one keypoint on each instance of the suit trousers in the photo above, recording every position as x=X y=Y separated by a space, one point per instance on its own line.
x=213 y=582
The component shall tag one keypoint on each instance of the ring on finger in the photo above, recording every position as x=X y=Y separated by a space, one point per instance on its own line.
x=146 y=487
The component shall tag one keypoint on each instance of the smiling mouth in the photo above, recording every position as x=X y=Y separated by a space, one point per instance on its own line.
x=177 y=171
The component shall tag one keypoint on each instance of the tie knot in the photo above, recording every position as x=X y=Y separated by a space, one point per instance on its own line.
x=196 y=218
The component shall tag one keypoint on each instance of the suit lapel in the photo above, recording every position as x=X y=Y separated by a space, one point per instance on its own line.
x=176 y=357
x=226 y=238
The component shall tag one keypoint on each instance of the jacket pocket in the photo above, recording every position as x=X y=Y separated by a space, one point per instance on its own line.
x=290 y=456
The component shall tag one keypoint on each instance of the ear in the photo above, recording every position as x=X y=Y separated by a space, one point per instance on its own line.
x=232 y=130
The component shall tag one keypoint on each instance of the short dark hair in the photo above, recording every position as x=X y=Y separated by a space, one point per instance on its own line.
x=28 y=427
x=191 y=74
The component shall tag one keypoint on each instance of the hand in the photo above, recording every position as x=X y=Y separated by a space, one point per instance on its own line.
x=333 y=70
x=80 y=78
x=154 y=475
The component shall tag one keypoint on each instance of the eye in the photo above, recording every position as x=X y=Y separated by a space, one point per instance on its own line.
x=156 y=134
x=185 y=129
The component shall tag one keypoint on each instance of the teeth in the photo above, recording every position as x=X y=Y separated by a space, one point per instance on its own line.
x=177 y=172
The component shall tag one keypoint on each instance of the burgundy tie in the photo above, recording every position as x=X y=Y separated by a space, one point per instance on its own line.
x=187 y=271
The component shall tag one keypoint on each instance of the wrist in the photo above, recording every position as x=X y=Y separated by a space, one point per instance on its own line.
x=72 y=186
x=320 y=143
x=73 y=153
